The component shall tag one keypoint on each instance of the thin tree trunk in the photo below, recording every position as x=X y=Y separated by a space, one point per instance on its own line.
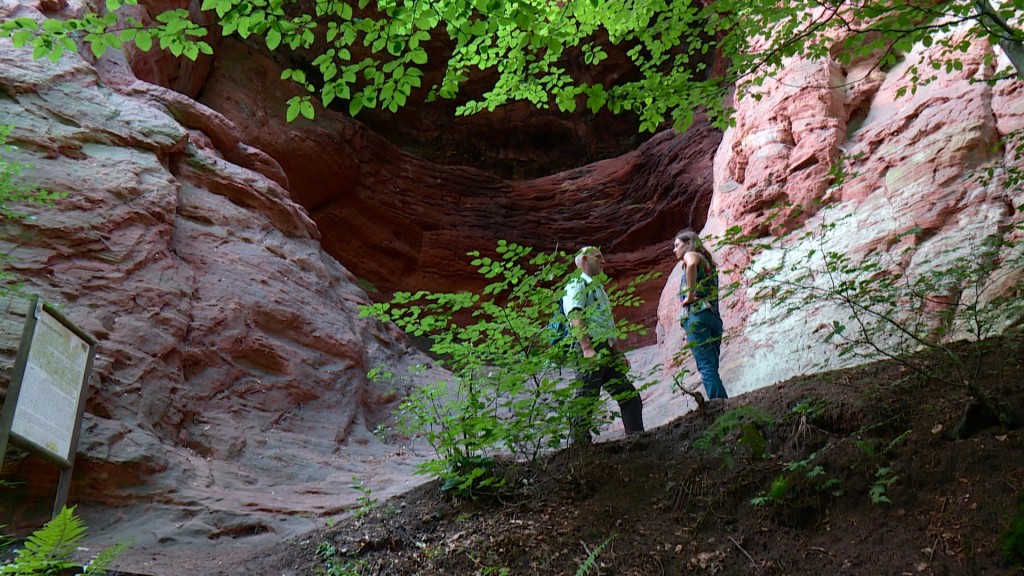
x=1011 y=46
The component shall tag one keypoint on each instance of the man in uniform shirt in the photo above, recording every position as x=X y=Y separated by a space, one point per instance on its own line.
x=604 y=365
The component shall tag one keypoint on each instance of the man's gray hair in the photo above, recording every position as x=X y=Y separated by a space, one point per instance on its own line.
x=583 y=251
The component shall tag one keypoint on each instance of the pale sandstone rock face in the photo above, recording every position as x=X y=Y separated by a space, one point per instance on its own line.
x=915 y=160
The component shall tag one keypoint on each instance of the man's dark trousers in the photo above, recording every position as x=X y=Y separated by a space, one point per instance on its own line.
x=609 y=372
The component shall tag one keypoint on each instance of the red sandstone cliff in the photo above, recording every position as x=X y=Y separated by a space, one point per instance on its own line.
x=219 y=254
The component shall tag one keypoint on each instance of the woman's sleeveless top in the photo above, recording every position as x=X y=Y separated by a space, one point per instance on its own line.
x=706 y=289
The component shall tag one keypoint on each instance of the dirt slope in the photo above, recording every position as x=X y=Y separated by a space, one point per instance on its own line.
x=877 y=484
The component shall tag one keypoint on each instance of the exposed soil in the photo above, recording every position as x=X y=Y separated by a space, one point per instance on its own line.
x=878 y=484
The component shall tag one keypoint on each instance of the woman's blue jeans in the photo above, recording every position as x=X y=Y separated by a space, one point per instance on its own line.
x=704 y=337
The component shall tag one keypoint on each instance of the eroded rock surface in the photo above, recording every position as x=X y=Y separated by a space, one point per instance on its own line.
x=934 y=161
x=220 y=254
x=400 y=222
x=200 y=244
x=229 y=393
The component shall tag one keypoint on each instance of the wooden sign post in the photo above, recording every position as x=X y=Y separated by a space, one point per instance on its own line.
x=46 y=396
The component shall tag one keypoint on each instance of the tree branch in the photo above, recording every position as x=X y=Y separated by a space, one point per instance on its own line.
x=1011 y=46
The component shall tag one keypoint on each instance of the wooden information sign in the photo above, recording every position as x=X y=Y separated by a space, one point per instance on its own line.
x=46 y=396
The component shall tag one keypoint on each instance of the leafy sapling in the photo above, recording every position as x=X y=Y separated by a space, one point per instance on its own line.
x=365 y=501
x=509 y=390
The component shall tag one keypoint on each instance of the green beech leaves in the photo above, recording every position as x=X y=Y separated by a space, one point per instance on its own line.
x=658 y=53
x=510 y=389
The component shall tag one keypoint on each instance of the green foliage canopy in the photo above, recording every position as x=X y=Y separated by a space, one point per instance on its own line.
x=375 y=53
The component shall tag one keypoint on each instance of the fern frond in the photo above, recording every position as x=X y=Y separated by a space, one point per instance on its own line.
x=59 y=537
x=49 y=549
x=102 y=561
x=591 y=560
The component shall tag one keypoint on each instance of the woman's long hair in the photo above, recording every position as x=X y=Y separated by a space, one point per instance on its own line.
x=691 y=238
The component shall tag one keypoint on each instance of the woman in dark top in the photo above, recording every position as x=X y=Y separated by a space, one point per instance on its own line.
x=698 y=297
